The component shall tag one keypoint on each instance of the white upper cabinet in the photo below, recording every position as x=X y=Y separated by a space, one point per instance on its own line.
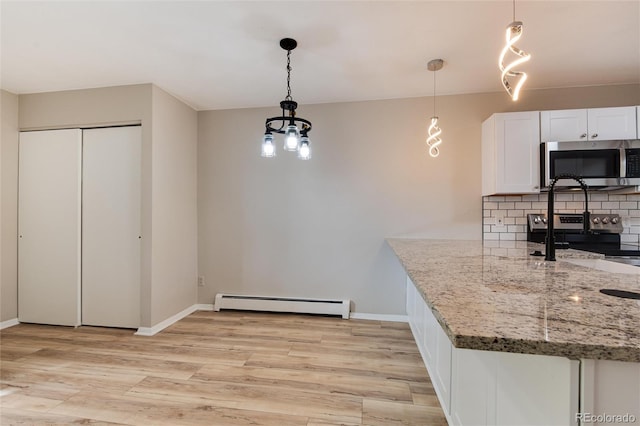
x=588 y=124
x=511 y=153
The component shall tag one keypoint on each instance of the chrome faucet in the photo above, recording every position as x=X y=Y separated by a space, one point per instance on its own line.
x=551 y=240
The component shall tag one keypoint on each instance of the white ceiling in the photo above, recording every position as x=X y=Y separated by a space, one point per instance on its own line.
x=225 y=54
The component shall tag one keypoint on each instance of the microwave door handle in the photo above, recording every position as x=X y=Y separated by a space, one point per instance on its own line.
x=623 y=162
x=547 y=164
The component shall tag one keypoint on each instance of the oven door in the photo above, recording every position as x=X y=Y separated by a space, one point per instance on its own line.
x=599 y=163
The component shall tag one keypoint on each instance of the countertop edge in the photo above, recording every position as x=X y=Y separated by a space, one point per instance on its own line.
x=523 y=346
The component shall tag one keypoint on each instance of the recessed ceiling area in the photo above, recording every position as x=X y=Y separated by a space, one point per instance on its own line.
x=225 y=54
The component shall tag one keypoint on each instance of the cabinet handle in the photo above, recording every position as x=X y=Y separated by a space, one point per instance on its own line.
x=595 y=135
x=582 y=136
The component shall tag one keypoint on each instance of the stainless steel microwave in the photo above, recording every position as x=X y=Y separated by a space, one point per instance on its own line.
x=599 y=163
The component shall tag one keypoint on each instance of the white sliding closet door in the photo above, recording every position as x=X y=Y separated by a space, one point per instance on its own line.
x=111 y=227
x=49 y=227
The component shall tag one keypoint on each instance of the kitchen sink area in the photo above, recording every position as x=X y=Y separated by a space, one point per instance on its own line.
x=609 y=265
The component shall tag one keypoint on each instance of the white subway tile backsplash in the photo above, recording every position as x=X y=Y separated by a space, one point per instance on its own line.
x=629 y=205
x=598 y=197
x=516 y=228
x=575 y=205
x=558 y=205
x=514 y=208
x=564 y=197
x=595 y=205
x=540 y=205
x=617 y=197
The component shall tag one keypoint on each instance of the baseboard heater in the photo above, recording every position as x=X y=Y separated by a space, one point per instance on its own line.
x=282 y=304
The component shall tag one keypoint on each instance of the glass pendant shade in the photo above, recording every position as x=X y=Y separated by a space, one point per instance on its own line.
x=268 y=148
x=304 y=151
x=291 y=138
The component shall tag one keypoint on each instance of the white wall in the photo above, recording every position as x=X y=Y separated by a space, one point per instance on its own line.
x=174 y=206
x=9 y=206
x=286 y=227
x=282 y=226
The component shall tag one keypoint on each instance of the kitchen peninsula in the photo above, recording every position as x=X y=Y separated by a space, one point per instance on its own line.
x=511 y=339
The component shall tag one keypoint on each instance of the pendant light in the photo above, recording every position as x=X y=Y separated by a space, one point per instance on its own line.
x=295 y=139
x=513 y=34
x=433 y=140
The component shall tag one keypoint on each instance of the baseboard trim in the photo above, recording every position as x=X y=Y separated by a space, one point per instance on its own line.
x=9 y=323
x=150 y=331
x=204 y=307
x=379 y=317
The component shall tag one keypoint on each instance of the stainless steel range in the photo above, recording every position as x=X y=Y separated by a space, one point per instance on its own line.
x=603 y=235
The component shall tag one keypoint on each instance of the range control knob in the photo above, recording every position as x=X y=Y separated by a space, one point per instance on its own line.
x=536 y=220
x=605 y=220
x=615 y=220
x=595 y=220
x=544 y=220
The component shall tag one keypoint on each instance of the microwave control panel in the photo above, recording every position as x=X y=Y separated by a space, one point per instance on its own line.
x=633 y=162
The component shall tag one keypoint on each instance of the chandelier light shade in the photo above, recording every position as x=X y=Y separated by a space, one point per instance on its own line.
x=294 y=129
x=513 y=79
x=433 y=140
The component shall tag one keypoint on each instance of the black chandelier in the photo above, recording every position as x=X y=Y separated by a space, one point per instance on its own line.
x=295 y=139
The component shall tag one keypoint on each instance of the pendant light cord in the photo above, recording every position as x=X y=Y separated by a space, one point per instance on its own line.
x=434 y=93
x=514 y=10
x=288 y=97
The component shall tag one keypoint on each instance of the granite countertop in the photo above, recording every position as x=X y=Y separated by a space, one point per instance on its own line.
x=495 y=296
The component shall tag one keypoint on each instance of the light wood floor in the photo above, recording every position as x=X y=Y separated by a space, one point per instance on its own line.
x=218 y=368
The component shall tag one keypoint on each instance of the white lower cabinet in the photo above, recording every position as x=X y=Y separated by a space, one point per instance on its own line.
x=610 y=388
x=493 y=388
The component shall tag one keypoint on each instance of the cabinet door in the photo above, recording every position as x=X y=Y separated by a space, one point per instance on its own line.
x=517 y=137
x=111 y=227
x=49 y=227
x=612 y=123
x=563 y=125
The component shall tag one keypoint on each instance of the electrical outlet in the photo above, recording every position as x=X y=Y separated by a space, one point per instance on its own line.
x=201 y=281
x=498 y=217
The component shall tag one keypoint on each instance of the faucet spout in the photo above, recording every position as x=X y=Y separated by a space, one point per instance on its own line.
x=550 y=241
